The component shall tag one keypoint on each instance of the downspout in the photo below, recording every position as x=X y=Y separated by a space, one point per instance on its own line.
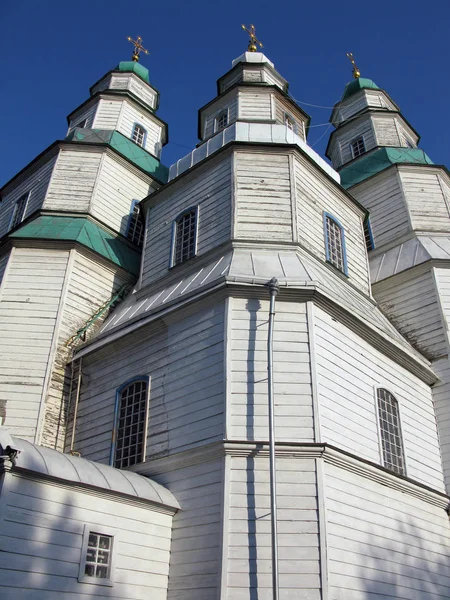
x=75 y=412
x=273 y=290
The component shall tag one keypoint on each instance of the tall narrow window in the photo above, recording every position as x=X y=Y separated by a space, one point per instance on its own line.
x=368 y=235
x=135 y=229
x=97 y=556
x=221 y=120
x=185 y=237
x=390 y=431
x=128 y=446
x=335 y=243
x=19 y=210
x=139 y=135
x=358 y=147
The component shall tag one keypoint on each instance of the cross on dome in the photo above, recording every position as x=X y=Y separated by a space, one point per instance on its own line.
x=138 y=47
x=252 y=45
x=356 y=71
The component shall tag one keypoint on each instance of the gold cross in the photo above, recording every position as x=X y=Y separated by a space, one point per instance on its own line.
x=252 y=47
x=138 y=47
x=356 y=71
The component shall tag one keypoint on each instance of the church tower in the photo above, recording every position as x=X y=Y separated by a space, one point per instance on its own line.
x=375 y=151
x=71 y=238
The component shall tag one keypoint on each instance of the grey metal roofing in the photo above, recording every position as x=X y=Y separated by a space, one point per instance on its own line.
x=79 y=470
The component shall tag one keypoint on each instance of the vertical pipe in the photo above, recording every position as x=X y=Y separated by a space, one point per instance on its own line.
x=75 y=412
x=273 y=289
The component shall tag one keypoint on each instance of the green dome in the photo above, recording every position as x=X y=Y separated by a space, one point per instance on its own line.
x=358 y=84
x=129 y=66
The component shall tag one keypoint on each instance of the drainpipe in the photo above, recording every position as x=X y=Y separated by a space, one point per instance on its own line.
x=75 y=412
x=273 y=290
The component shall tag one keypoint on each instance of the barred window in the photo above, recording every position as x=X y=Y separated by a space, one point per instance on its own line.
x=335 y=249
x=368 y=235
x=139 y=134
x=358 y=147
x=289 y=122
x=390 y=431
x=135 y=230
x=19 y=210
x=185 y=231
x=97 y=558
x=221 y=120
x=130 y=424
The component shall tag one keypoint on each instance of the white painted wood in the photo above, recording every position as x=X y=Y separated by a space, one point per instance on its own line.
x=255 y=104
x=386 y=133
x=42 y=533
x=3 y=264
x=228 y=103
x=347 y=370
x=210 y=190
x=340 y=151
x=283 y=107
x=131 y=114
x=383 y=543
x=425 y=198
x=128 y=81
x=360 y=101
x=87 y=114
x=107 y=113
x=256 y=73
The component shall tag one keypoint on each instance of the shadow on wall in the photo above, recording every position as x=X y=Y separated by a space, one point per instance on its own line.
x=418 y=568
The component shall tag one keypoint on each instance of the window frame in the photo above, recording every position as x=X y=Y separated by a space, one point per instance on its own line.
x=288 y=116
x=368 y=228
x=144 y=141
x=130 y=217
x=119 y=391
x=106 y=531
x=173 y=242
x=354 y=141
x=81 y=123
x=377 y=388
x=223 y=111
x=25 y=195
x=344 y=271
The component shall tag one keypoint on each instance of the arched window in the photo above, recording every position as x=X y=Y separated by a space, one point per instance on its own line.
x=130 y=423
x=184 y=243
x=390 y=431
x=139 y=135
x=335 y=243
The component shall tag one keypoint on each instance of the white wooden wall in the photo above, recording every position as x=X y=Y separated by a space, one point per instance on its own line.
x=210 y=190
x=41 y=535
x=29 y=303
x=427 y=198
x=258 y=73
x=247 y=529
x=117 y=186
x=382 y=196
x=229 y=103
x=36 y=182
x=131 y=82
x=87 y=113
x=441 y=395
x=3 y=263
x=340 y=151
x=386 y=132
x=73 y=180
x=132 y=114
x=348 y=372
x=107 y=113
x=358 y=102
x=383 y=543
x=412 y=305
x=184 y=361
x=282 y=107
x=255 y=104
x=314 y=196
x=247 y=372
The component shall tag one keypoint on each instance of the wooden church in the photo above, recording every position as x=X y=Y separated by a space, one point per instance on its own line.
x=230 y=379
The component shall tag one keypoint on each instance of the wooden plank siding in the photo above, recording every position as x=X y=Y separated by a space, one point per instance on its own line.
x=412 y=305
x=228 y=103
x=184 y=361
x=341 y=152
x=424 y=193
x=44 y=545
x=107 y=114
x=358 y=102
x=314 y=197
x=382 y=195
x=131 y=114
x=196 y=536
x=386 y=133
x=249 y=565
x=247 y=403
x=36 y=182
x=263 y=196
x=383 y=543
x=210 y=190
x=73 y=180
x=128 y=81
x=283 y=107
x=29 y=305
x=255 y=104
x=3 y=264
x=348 y=372
x=88 y=114
x=441 y=394
x=117 y=186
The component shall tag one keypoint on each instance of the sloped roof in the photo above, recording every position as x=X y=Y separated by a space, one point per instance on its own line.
x=79 y=470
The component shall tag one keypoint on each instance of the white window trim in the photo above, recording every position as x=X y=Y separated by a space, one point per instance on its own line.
x=217 y=116
x=101 y=530
x=174 y=235
x=355 y=140
x=291 y=118
x=386 y=387
x=15 y=209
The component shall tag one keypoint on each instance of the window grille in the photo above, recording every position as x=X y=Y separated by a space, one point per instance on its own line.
x=98 y=555
x=82 y=123
x=358 y=147
x=19 y=210
x=289 y=122
x=391 y=435
x=135 y=231
x=130 y=424
x=138 y=135
x=335 y=244
x=222 y=120
x=185 y=237
x=368 y=235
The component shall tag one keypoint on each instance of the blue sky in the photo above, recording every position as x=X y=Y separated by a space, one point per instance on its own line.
x=53 y=51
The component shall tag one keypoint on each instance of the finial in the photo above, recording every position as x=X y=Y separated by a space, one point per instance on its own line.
x=252 y=45
x=138 y=47
x=356 y=71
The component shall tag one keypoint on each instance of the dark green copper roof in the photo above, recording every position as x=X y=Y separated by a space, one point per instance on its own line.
x=358 y=84
x=377 y=161
x=129 y=66
x=83 y=231
x=124 y=146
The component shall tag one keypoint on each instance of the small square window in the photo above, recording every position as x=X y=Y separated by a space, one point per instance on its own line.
x=138 y=135
x=97 y=564
x=222 y=120
x=358 y=147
